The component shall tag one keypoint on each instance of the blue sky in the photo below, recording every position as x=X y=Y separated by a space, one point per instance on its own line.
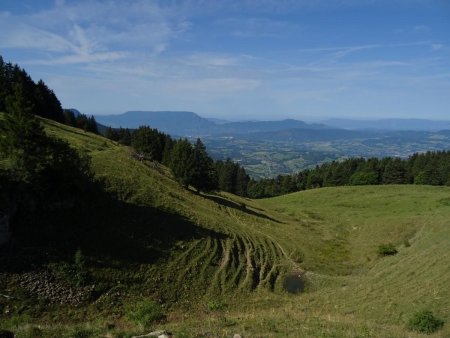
x=248 y=59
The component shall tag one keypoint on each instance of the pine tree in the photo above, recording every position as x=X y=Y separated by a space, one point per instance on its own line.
x=227 y=172
x=181 y=162
x=124 y=136
x=149 y=142
x=22 y=136
x=242 y=180
x=91 y=125
x=395 y=172
x=112 y=134
x=47 y=104
x=69 y=118
x=204 y=175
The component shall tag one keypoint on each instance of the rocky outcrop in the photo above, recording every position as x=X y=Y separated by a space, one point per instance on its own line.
x=43 y=285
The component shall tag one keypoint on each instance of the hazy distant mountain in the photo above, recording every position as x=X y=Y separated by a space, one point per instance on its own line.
x=389 y=124
x=217 y=121
x=266 y=126
x=172 y=122
x=190 y=124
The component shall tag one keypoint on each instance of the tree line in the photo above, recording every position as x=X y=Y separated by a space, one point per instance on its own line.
x=432 y=168
x=39 y=174
x=41 y=99
x=190 y=163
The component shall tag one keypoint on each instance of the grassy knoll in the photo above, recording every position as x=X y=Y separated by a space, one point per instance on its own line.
x=384 y=290
x=215 y=263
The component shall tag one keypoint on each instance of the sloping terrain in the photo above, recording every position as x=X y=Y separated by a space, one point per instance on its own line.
x=217 y=263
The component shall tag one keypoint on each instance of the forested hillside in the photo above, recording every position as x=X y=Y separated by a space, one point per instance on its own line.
x=431 y=168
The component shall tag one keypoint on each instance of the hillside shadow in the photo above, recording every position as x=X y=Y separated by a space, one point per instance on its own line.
x=238 y=206
x=104 y=228
x=138 y=234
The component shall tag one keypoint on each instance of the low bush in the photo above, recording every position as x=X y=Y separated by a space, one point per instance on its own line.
x=424 y=321
x=145 y=313
x=387 y=250
x=216 y=305
x=75 y=273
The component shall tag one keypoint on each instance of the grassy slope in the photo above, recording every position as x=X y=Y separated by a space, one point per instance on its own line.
x=161 y=241
x=380 y=290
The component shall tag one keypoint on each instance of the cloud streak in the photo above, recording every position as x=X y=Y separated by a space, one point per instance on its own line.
x=92 y=31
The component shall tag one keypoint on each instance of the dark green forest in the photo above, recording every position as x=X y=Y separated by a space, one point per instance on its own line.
x=39 y=174
x=190 y=163
x=41 y=100
x=431 y=168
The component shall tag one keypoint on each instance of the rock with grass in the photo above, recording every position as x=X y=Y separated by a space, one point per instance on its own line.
x=158 y=333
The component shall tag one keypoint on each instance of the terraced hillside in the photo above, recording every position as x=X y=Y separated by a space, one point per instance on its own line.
x=217 y=264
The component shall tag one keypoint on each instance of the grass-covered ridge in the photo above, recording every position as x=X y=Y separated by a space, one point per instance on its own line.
x=413 y=218
x=216 y=262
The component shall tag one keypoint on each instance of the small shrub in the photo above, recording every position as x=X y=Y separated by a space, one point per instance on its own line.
x=406 y=243
x=271 y=325
x=75 y=273
x=387 y=250
x=81 y=276
x=82 y=333
x=145 y=313
x=227 y=322
x=36 y=332
x=298 y=256
x=216 y=305
x=425 y=321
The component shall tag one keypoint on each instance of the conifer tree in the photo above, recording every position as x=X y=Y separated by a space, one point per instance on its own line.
x=181 y=162
x=22 y=136
x=203 y=176
x=69 y=118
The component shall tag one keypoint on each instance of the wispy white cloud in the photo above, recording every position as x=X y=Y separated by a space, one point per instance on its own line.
x=92 y=31
x=421 y=28
x=259 y=27
x=210 y=60
x=218 y=86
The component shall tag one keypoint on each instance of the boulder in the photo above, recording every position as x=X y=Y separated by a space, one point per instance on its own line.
x=159 y=334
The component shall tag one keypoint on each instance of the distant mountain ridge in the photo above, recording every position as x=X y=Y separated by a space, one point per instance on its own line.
x=389 y=124
x=181 y=123
x=184 y=123
x=190 y=124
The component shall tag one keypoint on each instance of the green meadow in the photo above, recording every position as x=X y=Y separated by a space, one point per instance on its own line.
x=216 y=264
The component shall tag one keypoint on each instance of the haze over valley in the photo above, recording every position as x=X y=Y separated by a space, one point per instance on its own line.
x=270 y=148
